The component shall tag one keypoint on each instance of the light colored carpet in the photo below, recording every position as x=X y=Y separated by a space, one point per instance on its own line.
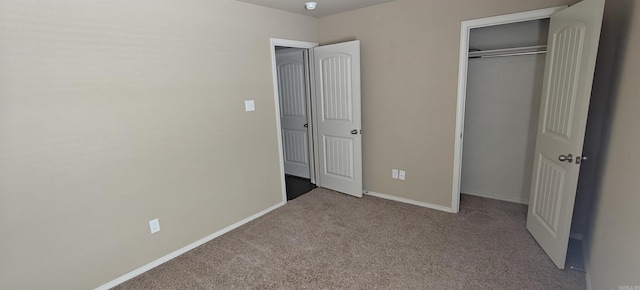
x=327 y=240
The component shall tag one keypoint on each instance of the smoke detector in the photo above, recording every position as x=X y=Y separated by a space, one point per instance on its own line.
x=310 y=5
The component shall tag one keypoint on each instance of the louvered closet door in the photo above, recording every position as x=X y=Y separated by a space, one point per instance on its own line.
x=293 y=111
x=573 y=44
x=337 y=86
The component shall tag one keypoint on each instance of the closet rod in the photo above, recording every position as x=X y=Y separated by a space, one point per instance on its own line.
x=509 y=54
x=528 y=50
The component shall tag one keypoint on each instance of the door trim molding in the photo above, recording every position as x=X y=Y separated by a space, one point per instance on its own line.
x=466 y=27
x=274 y=72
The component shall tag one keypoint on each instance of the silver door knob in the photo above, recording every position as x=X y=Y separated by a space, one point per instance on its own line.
x=567 y=158
x=354 y=132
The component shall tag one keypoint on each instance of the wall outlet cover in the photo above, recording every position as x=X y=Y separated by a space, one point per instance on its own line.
x=402 y=175
x=394 y=173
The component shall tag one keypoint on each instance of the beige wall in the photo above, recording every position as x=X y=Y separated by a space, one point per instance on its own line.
x=409 y=85
x=614 y=253
x=113 y=113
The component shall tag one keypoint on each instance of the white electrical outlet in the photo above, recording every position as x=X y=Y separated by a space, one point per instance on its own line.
x=394 y=173
x=402 y=175
x=154 y=226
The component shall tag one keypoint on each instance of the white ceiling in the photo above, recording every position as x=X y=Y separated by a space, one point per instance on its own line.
x=325 y=7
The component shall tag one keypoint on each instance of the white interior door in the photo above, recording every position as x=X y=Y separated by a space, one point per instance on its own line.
x=292 y=90
x=337 y=87
x=572 y=48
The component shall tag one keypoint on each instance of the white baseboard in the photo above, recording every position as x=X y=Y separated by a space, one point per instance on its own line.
x=499 y=197
x=185 y=249
x=410 y=201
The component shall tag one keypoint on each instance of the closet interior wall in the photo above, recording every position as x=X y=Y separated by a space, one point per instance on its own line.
x=501 y=112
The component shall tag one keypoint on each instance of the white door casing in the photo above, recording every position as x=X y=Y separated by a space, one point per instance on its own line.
x=574 y=35
x=337 y=93
x=292 y=89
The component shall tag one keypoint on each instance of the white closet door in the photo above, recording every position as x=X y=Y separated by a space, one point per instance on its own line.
x=293 y=111
x=337 y=86
x=573 y=44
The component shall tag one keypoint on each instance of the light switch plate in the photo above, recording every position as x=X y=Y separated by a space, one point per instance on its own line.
x=394 y=173
x=402 y=175
x=154 y=226
x=249 y=106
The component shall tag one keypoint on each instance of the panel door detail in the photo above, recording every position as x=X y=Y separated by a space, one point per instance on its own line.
x=337 y=88
x=574 y=34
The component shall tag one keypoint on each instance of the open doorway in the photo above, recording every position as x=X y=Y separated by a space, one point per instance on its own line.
x=294 y=94
x=332 y=127
x=573 y=37
x=510 y=46
x=294 y=107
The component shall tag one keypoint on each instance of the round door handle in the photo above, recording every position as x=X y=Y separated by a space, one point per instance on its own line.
x=567 y=158
x=354 y=132
x=306 y=125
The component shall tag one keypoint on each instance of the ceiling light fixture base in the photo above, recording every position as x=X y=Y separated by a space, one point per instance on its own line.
x=310 y=5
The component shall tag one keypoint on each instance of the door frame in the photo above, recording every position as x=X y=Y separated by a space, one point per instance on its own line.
x=309 y=75
x=462 y=82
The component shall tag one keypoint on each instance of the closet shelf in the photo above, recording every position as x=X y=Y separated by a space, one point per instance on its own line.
x=503 y=52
